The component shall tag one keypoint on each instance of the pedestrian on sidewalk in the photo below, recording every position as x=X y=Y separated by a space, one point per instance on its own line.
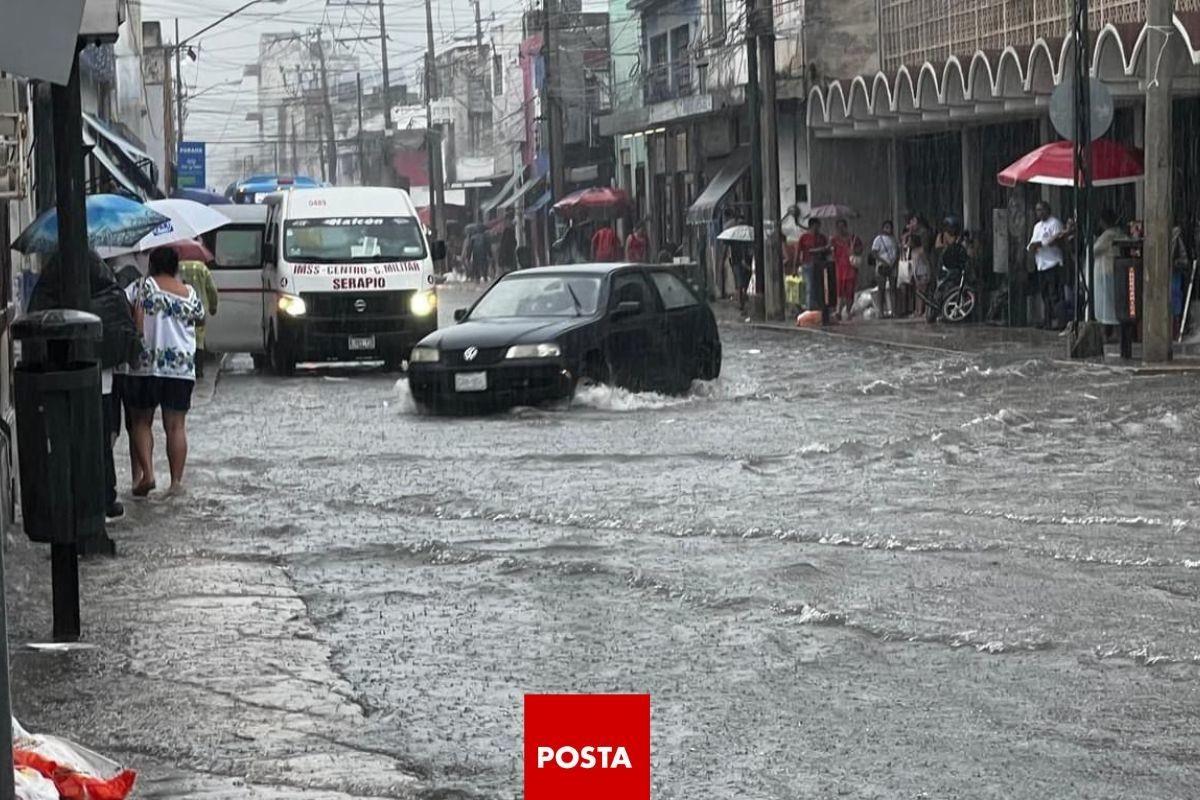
x=506 y=253
x=917 y=245
x=885 y=252
x=166 y=310
x=118 y=346
x=606 y=245
x=637 y=245
x=1104 y=287
x=847 y=253
x=197 y=275
x=791 y=227
x=812 y=255
x=1045 y=245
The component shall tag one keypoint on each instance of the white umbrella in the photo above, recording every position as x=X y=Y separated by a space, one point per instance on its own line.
x=737 y=233
x=186 y=219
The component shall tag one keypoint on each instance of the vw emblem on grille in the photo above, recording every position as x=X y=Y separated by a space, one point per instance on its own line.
x=360 y=305
x=470 y=354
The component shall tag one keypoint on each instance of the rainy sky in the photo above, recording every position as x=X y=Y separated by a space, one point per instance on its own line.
x=218 y=116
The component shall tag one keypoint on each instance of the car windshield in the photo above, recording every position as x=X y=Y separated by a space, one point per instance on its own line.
x=540 y=296
x=354 y=239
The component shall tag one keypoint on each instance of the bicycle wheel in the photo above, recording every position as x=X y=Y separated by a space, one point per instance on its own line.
x=958 y=305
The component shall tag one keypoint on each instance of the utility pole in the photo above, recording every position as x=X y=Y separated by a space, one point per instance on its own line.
x=1156 y=265
x=178 y=103
x=332 y=157
x=387 y=80
x=437 y=195
x=553 y=106
x=754 y=102
x=362 y=161
x=295 y=155
x=772 y=268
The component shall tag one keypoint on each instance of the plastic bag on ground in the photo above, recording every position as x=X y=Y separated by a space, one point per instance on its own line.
x=77 y=772
x=32 y=785
x=862 y=301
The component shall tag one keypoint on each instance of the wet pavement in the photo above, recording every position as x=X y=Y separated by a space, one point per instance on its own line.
x=842 y=570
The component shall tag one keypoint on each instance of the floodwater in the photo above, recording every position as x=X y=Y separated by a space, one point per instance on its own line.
x=840 y=571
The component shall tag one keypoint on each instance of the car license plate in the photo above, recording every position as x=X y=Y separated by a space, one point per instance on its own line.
x=362 y=343
x=470 y=382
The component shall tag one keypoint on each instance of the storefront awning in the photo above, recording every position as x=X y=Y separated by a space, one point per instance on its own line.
x=114 y=171
x=727 y=176
x=524 y=190
x=138 y=164
x=537 y=205
x=503 y=194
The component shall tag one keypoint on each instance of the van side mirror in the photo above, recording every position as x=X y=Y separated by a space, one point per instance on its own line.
x=437 y=250
x=627 y=308
x=460 y=314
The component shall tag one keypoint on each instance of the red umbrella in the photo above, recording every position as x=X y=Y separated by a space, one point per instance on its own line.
x=1054 y=165
x=597 y=200
x=191 y=250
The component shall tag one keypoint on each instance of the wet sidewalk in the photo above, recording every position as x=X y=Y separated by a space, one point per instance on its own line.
x=987 y=340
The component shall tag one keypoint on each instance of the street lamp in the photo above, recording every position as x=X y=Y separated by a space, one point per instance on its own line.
x=178 y=48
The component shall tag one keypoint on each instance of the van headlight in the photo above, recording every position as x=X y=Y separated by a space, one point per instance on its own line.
x=549 y=350
x=292 y=305
x=423 y=303
x=424 y=355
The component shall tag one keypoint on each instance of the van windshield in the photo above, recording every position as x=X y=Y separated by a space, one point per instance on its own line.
x=353 y=239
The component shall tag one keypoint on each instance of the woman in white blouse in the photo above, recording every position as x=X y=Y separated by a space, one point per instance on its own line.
x=167 y=311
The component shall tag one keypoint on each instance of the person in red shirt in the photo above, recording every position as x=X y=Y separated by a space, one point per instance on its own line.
x=637 y=245
x=811 y=254
x=606 y=245
x=847 y=250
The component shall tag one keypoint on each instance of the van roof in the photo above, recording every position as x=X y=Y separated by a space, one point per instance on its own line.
x=348 y=201
x=244 y=213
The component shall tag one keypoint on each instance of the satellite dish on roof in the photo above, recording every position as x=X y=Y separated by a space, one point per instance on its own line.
x=1062 y=109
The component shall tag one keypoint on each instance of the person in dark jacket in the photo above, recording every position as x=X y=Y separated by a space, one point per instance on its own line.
x=119 y=345
x=506 y=254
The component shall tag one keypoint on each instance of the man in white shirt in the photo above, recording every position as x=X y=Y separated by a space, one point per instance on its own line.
x=1045 y=245
x=885 y=251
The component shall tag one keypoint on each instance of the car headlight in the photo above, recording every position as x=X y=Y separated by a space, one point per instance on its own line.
x=423 y=303
x=292 y=305
x=549 y=350
x=424 y=355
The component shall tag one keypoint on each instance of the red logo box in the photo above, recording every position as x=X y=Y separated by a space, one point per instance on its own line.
x=587 y=747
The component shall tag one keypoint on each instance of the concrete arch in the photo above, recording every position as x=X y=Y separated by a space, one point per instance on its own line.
x=859 y=105
x=881 y=93
x=1109 y=60
x=904 y=95
x=954 y=82
x=817 y=115
x=981 y=78
x=835 y=103
x=1010 y=77
x=928 y=92
x=1041 y=76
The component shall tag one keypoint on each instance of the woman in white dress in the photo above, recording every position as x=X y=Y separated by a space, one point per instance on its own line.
x=167 y=311
x=1103 y=284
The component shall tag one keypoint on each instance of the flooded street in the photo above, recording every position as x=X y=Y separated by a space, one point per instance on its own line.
x=841 y=570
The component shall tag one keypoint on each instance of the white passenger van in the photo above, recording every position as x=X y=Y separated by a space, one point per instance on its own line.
x=237 y=270
x=347 y=275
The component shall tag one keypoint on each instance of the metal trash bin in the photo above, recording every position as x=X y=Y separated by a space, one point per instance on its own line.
x=60 y=426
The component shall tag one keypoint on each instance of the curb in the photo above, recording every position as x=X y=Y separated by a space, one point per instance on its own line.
x=1188 y=367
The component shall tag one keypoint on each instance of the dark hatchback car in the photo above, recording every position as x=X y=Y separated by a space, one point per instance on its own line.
x=535 y=335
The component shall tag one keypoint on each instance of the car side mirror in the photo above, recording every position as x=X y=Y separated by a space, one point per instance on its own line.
x=460 y=314
x=627 y=308
x=437 y=250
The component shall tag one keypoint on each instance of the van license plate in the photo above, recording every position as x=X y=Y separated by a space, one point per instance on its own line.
x=470 y=382
x=362 y=343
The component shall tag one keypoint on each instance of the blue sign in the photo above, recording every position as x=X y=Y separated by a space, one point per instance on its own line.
x=190 y=174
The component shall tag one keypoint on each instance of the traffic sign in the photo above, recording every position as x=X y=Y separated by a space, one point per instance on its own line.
x=190 y=171
x=1062 y=109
